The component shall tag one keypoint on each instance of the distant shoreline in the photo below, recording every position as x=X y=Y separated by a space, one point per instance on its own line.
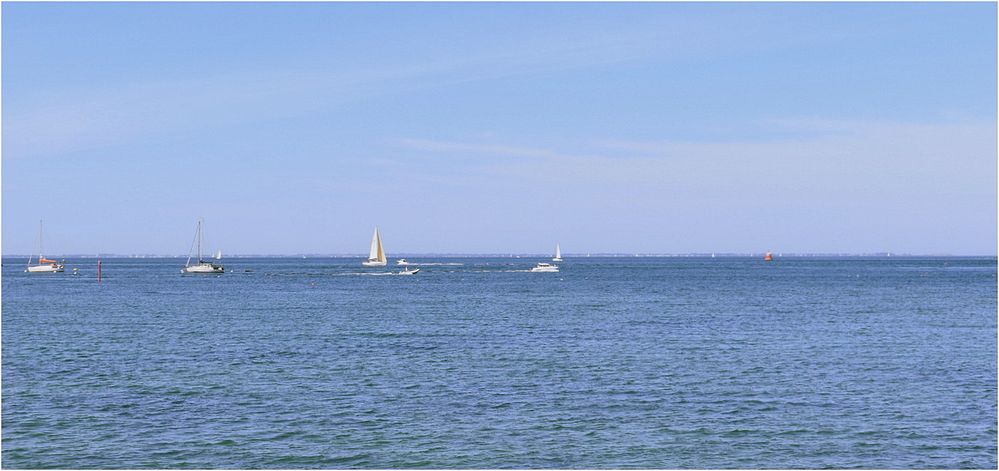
x=542 y=255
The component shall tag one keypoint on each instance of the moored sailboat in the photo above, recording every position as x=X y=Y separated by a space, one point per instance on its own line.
x=376 y=256
x=203 y=266
x=44 y=265
x=558 y=254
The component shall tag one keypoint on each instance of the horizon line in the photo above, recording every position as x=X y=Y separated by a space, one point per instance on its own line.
x=526 y=254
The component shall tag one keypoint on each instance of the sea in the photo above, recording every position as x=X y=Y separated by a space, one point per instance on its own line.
x=613 y=362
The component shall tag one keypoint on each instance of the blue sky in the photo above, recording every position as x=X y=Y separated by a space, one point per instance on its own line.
x=498 y=128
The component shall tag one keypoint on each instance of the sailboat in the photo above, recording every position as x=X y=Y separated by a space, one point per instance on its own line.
x=202 y=266
x=376 y=257
x=218 y=255
x=558 y=254
x=44 y=265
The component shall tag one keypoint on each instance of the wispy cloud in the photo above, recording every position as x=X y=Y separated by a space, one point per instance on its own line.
x=494 y=150
x=77 y=118
x=827 y=155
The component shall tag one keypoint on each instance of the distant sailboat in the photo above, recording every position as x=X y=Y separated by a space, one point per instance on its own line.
x=44 y=265
x=202 y=266
x=376 y=257
x=218 y=255
x=558 y=254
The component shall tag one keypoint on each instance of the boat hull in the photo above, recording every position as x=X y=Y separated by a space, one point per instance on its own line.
x=46 y=269
x=374 y=264
x=545 y=268
x=203 y=269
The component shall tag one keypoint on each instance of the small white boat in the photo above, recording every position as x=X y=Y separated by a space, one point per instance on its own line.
x=376 y=257
x=545 y=268
x=48 y=266
x=407 y=271
x=558 y=254
x=44 y=265
x=402 y=262
x=203 y=266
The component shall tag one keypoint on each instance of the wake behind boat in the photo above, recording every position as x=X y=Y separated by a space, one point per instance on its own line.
x=203 y=266
x=44 y=265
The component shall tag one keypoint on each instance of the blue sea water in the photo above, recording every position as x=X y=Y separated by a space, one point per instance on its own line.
x=611 y=363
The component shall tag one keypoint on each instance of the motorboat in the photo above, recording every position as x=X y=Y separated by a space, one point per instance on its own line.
x=543 y=267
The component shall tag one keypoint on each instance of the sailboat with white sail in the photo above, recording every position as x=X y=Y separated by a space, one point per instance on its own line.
x=376 y=256
x=44 y=265
x=203 y=266
x=558 y=253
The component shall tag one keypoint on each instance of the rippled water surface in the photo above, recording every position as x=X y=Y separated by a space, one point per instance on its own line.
x=613 y=362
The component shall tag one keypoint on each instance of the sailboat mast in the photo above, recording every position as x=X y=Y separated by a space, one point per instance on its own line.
x=41 y=251
x=200 y=230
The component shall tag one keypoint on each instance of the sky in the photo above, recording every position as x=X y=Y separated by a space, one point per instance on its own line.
x=500 y=127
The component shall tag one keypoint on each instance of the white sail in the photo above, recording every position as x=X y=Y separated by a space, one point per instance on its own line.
x=218 y=255
x=376 y=256
x=558 y=254
x=375 y=244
